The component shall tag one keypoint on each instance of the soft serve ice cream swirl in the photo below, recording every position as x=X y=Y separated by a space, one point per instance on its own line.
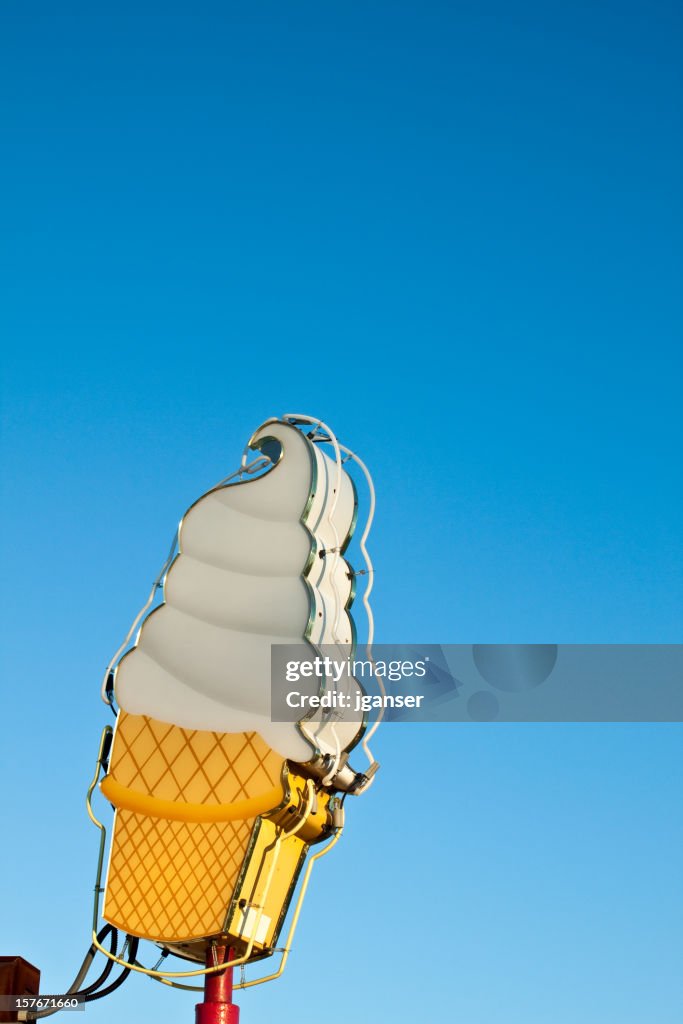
x=247 y=575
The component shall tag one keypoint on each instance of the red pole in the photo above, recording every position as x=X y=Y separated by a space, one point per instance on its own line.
x=218 y=1007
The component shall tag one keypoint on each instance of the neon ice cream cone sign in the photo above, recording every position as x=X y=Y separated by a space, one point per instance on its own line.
x=217 y=807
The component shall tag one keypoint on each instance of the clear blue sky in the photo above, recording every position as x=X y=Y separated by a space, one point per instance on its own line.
x=454 y=231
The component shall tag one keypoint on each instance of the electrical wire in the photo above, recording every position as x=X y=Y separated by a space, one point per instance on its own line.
x=94 y=990
x=108 y=967
x=133 y=943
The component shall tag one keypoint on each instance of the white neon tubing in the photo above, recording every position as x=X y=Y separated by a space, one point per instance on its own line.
x=335 y=590
x=370 y=573
x=333 y=440
x=138 y=617
x=258 y=463
x=366 y=602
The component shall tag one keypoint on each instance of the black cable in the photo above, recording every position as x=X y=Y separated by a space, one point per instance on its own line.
x=109 y=966
x=133 y=943
x=73 y=990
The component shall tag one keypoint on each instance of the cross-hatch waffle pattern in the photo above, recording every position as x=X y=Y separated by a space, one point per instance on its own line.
x=196 y=767
x=173 y=880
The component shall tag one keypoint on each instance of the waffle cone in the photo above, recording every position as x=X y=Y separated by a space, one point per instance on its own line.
x=172 y=880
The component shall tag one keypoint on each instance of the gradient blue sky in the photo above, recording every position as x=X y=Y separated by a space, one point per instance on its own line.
x=453 y=231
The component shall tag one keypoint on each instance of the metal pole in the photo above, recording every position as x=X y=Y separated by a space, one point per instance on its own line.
x=218 y=1007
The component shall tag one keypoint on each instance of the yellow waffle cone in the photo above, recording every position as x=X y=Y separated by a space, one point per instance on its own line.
x=186 y=802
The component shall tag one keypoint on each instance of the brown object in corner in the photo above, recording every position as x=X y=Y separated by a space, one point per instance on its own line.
x=17 y=978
